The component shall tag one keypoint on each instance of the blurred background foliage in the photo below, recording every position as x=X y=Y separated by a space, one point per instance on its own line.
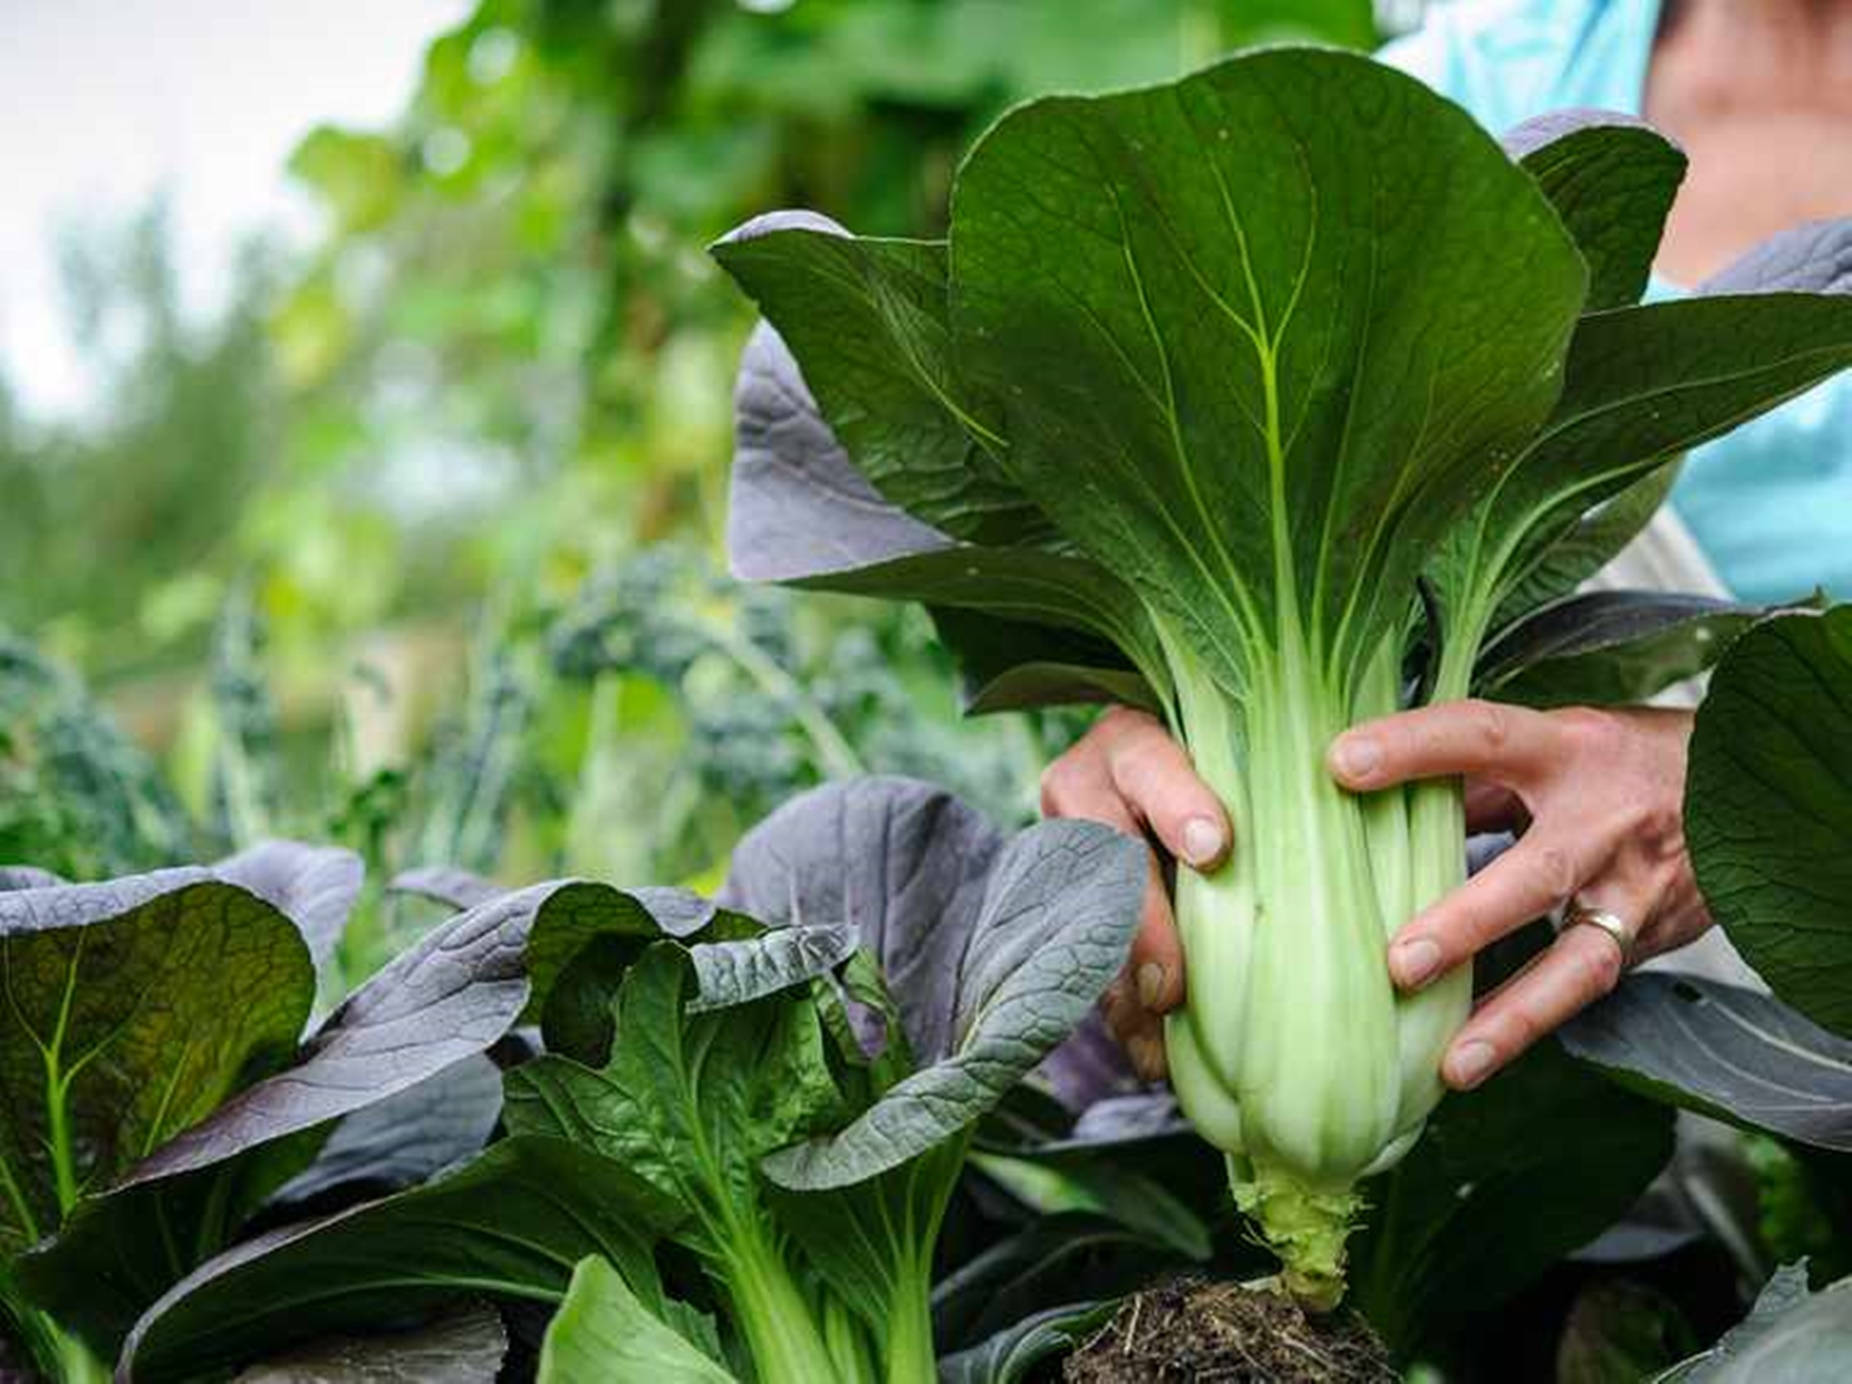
x=417 y=544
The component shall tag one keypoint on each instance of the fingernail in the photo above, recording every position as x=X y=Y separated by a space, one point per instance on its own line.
x=1470 y=1064
x=1202 y=841
x=1357 y=756
x=1147 y=1056
x=1151 y=985
x=1414 y=961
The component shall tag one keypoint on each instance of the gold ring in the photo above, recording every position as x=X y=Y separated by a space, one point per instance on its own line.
x=1609 y=923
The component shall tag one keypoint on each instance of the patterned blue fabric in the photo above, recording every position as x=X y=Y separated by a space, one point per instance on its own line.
x=1771 y=504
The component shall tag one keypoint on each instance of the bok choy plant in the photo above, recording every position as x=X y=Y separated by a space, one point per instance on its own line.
x=1266 y=399
x=754 y=1113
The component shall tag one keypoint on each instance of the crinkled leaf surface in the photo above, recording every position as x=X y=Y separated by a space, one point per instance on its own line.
x=500 y=1226
x=1790 y=1336
x=1456 y=1229
x=737 y=972
x=458 y=990
x=464 y=1345
x=1811 y=258
x=1768 y=807
x=1058 y=913
x=602 y=1334
x=688 y=1101
x=443 y=1002
x=905 y=862
x=134 y=1007
x=1724 y=1051
x=1611 y=178
x=27 y=877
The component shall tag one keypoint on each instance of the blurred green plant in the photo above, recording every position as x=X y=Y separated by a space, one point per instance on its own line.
x=372 y=554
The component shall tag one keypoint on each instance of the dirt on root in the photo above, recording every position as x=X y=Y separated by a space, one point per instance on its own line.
x=1195 y=1332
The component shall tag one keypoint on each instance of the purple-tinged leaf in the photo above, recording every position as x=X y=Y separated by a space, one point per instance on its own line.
x=314 y=886
x=1723 y=1051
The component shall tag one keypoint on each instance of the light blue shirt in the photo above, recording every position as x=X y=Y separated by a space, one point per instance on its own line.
x=1771 y=504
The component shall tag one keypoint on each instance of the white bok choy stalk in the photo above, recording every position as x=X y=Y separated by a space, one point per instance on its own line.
x=1244 y=397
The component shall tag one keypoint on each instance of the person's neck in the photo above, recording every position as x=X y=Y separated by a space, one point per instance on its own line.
x=1783 y=52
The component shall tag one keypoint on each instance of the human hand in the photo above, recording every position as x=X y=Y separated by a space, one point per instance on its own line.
x=1600 y=797
x=1128 y=773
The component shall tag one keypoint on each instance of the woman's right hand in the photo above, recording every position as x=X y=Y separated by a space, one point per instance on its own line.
x=1128 y=773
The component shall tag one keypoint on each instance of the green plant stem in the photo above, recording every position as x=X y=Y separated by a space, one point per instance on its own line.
x=782 y=1335
x=76 y=1365
x=909 y=1341
x=838 y=757
x=57 y=1091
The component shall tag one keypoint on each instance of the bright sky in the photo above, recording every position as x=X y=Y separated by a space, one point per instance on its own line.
x=105 y=102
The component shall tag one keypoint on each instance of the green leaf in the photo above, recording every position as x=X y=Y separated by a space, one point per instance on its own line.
x=738 y=972
x=313 y=886
x=465 y=1345
x=512 y=1223
x=1010 y=1354
x=1031 y=685
x=119 y=1252
x=1612 y=179
x=1723 y=1051
x=1608 y=648
x=873 y=1243
x=133 y=1008
x=1012 y=665
x=1589 y=545
x=1640 y=386
x=868 y=319
x=1768 y=807
x=1058 y=915
x=1182 y=326
x=688 y=1101
x=1454 y=1229
x=603 y=1335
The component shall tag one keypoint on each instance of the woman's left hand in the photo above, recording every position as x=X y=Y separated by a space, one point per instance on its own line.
x=1599 y=796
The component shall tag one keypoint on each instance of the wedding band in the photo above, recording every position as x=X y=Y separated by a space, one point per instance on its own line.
x=1609 y=923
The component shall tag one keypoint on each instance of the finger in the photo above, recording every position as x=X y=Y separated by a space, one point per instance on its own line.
x=1526 y=882
x=1507 y=744
x=1138 y=1030
x=1156 y=965
x=1082 y=784
x=1578 y=968
x=1079 y=787
x=1493 y=807
x=1153 y=774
